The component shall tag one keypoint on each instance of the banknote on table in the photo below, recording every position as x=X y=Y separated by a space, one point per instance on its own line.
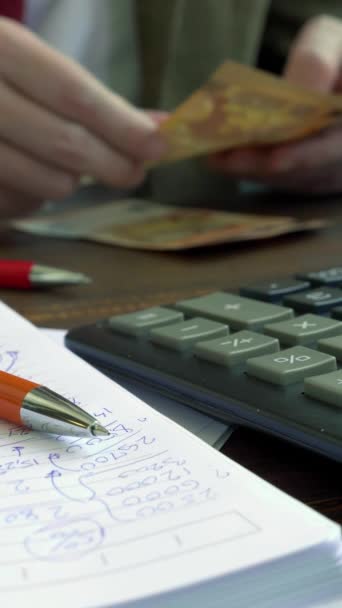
x=144 y=224
x=243 y=106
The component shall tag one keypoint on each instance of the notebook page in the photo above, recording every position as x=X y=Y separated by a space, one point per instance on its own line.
x=151 y=508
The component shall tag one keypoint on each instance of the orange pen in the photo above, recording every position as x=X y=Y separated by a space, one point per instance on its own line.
x=37 y=407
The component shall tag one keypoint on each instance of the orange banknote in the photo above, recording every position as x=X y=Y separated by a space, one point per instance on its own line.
x=241 y=106
x=144 y=224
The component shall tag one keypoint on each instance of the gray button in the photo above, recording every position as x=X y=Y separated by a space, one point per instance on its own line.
x=272 y=291
x=326 y=388
x=238 y=312
x=329 y=276
x=333 y=346
x=291 y=365
x=140 y=322
x=304 y=329
x=181 y=336
x=318 y=300
x=236 y=348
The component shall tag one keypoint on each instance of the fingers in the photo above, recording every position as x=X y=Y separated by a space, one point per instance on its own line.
x=315 y=60
x=61 y=143
x=158 y=116
x=250 y=165
x=244 y=163
x=58 y=122
x=33 y=178
x=14 y=204
x=62 y=86
x=311 y=165
x=321 y=151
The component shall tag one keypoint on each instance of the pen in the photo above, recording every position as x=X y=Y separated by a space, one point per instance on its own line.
x=35 y=406
x=24 y=274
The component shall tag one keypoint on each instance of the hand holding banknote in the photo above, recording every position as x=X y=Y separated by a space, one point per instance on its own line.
x=315 y=163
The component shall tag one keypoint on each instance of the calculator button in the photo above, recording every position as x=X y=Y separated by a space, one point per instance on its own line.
x=332 y=346
x=290 y=365
x=304 y=329
x=274 y=290
x=238 y=312
x=138 y=323
x=326 y=388
x=181 y=336
x=317 y=300
x=329 y=276
x=337 y=312
x=236 y=348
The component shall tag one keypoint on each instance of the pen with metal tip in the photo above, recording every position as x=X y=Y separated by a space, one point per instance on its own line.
x=26 y=403
x=25 y=274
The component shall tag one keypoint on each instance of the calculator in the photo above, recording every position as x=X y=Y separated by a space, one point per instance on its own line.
x=267 y=357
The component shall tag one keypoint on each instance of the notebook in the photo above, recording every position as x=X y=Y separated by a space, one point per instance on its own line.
x=150 y=516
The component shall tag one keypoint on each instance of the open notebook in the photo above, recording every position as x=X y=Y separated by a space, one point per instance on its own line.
x=148 y=517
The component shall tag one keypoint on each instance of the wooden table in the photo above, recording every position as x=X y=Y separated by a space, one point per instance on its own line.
x=124 y=280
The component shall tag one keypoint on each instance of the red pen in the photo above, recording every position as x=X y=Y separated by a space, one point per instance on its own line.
x=24 y=274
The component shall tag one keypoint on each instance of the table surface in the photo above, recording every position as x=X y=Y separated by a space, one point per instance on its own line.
x=124 y=280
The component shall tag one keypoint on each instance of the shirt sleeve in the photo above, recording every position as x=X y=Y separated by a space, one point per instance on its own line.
x=81 y=29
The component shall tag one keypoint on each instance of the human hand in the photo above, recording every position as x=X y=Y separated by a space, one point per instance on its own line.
x=314 y=164
x=57 y=123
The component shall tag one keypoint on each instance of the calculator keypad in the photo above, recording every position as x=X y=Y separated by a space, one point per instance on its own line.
x=238 y=312
x=236 y=348
x=270 y=357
